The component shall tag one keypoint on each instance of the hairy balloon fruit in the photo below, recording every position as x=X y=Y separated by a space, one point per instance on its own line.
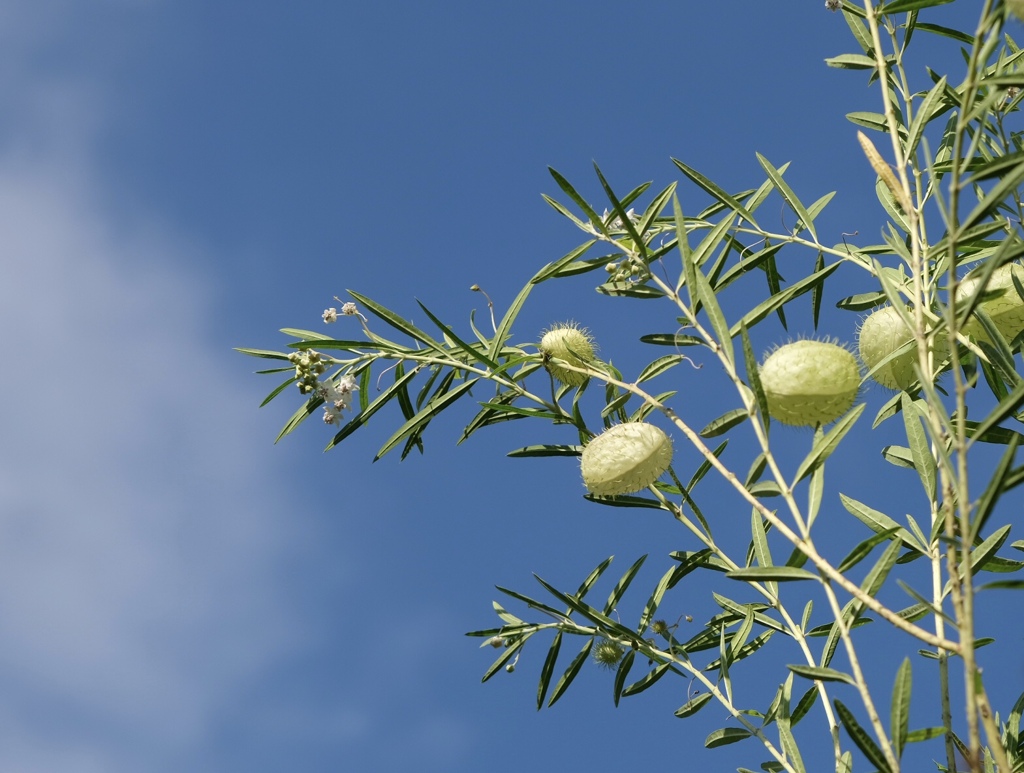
x=1001 y=301
x=882 y=333
x=810 y=382
x=571 y=344
x=625 y=458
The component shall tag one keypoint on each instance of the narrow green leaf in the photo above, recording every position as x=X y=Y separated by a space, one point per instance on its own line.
x=900 y=456
x=706 y=295
x=625 y=500
x=879 y=522
x=469 y=349
x=790 y=748
x=900 y=6
x=570 y=673
x=987 y=549
x=925 y=734
x=593 y=577
x=862 y=301
x=397 y=322
x=931 y=107
x=726 y=735
x=995 y=485
x=580 y=202
x=621 y=673
x=693 y=705
x=647 y=681
x=433 y=407
x=864 y=548
x=869 y=120
x=924 y=463
x=547 y=669
x=506 y=322
x=659 y=366
x=900 y=715
x=363 y=416
x=816 y=293
x=754 y=376
x=724 y=423
x=674 y=340
x=823 y=448
x=851 y=62
x=715 y=191
x=821 y=674
x=623 y=585
x=655 y=600
x=861 y=738
x=771 y=573
x=778 y=300
x=620 y=210
x=1006 y=406
x=787 y=195
x=990 y=202
x=506 y=656
x=545 y=450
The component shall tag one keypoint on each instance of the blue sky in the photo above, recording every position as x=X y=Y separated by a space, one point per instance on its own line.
x=179 y=178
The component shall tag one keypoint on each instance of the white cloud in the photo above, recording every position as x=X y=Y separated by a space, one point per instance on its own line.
x=140 y=588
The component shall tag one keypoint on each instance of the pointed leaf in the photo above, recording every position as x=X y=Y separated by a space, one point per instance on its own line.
x=547 y=669
x=570 y=673
x=787 y=194
x=821 y=674
x=861 y=738
x=824 y=447
x=900 y=714
x=693 y=705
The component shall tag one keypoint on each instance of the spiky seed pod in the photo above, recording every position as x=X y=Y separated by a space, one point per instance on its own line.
x=607 y=654
x=625 y=458
x=810 y=382
x=572 y=344
x=1001 y=301
x=882 y=333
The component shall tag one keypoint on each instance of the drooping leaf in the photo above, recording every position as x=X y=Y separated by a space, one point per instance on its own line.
x=693 y=705
x=860 y=737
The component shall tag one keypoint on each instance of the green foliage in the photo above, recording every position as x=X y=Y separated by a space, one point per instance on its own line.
x=951 y=202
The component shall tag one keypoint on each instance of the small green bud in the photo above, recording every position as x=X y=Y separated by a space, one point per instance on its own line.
x=607 y=654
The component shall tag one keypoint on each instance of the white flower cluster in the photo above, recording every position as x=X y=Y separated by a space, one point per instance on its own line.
x=348 y=309
x=337 y=397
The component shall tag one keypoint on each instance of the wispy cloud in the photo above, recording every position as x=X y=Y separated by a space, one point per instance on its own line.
x=139 y=563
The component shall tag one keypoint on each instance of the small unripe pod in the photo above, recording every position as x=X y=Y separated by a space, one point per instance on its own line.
x=625 y=458
x=571 y=344
x=810 y=382
x=882 y=333
x=1001 y=301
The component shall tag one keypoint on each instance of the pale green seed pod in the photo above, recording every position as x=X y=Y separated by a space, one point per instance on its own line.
x=1001 y=301
x=572 y=344
x=882 y=333
x=810 y=382
x=625 y=458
